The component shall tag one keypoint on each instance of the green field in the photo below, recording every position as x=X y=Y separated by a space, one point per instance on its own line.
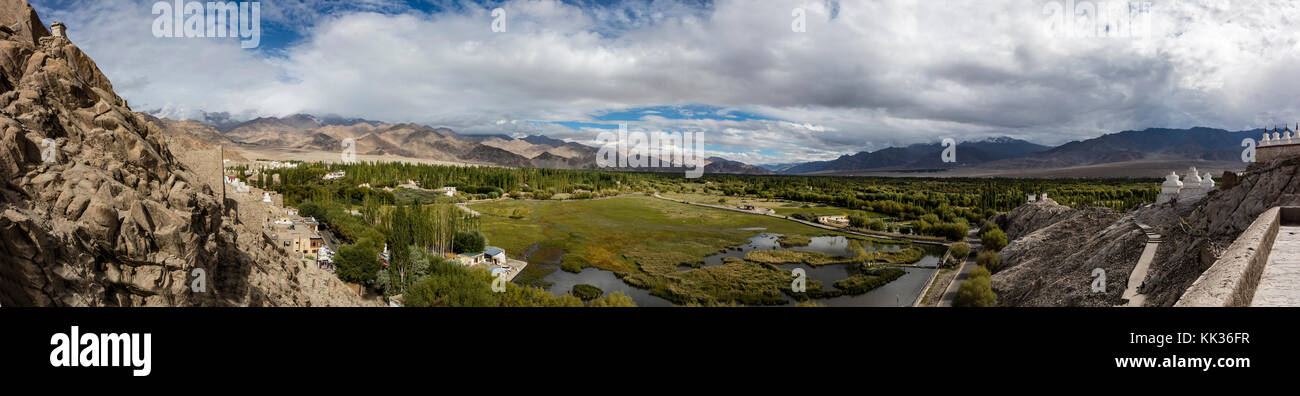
x=645 y=240
x=780 y=206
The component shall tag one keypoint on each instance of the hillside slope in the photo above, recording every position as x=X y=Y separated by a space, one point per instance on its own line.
x=112 y=218
x=1054 y=248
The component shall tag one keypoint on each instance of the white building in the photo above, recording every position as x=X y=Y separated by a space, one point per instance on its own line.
x=1192 y=188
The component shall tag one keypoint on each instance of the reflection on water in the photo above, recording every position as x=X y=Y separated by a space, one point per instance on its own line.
x=902 y=291
x=563 y=281
x=837 y=246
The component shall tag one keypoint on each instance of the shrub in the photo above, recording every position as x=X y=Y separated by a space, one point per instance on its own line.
x=976 y=291
x=994 y=239
x=989 y=259
x=877 y=225
x=869 y=280
x=586 y=292
x=959 y=250
x=859 y=221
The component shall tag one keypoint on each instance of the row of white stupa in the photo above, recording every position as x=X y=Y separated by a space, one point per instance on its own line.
x=1192 y=188
x=1280 y=137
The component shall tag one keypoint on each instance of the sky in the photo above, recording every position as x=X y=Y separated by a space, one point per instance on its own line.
x=859 y=76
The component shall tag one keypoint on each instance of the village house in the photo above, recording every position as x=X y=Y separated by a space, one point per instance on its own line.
x=334 y=175
x=834 y=220
x=299 y=241
x=492 y=259
x=491 y=255
x=448 y=191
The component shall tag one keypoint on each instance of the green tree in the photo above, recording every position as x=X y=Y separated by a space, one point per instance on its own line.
x=994 y=239
x=357 y=263
x=976 y=292
x=959 y=250
x=453 y=288
x=468 y=242
x=311 y=209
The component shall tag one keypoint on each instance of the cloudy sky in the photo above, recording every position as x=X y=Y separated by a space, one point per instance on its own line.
x=862 y=75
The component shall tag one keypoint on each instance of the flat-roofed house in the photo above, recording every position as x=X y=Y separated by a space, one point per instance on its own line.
x=835 y=220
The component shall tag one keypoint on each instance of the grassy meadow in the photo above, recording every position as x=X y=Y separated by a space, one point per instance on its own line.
x=646 y=241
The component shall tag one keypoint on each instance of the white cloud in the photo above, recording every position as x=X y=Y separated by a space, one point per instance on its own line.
x=875 y=75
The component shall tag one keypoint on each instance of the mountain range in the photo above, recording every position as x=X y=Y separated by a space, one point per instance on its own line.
x=997 y=154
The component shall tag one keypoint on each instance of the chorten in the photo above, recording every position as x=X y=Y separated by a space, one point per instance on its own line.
x=1193 y=178
x=1169 y=189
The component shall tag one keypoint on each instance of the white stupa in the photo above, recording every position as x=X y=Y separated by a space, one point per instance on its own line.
x=1193 y=178
x=1169 y=189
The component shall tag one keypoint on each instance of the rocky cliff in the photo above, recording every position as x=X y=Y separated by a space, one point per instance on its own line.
x=96 y=211
x=1054 y=248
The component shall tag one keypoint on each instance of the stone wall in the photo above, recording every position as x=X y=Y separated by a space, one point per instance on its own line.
x=1232 y=280
x=1271 y=153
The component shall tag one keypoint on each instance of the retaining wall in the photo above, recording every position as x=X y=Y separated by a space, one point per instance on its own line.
x=1232 y=280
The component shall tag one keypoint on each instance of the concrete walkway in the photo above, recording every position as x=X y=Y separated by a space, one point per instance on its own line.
x=1139 y=273
x=1279 y=285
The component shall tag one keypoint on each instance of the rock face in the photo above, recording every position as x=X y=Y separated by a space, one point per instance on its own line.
x=1214 y=223
x=1031 y=217
x=94 y=208
x=1054 y=248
